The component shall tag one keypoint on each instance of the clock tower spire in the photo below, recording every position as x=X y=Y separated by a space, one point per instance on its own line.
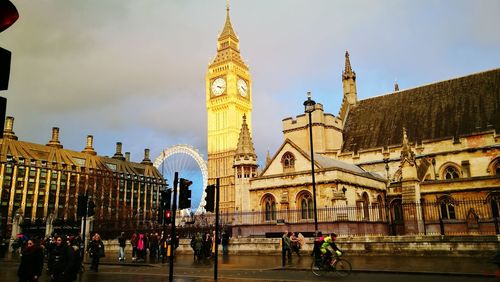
x=228 y=94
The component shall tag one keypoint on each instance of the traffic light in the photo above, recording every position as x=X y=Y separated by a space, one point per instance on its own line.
x=82 y=206
x=210 y=198
x=165 y=200
x=8 y=15
x=184 y=194
x=91 y=207
x=168 y=217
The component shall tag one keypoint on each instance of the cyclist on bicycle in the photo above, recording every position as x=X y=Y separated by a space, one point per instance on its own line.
x=329 y=247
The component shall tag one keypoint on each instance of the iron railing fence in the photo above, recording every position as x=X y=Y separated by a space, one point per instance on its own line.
x=458 y=217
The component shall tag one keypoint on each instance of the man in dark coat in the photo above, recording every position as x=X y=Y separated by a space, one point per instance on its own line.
x=61 y=260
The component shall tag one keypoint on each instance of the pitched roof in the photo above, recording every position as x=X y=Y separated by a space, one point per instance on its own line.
x=445 y=109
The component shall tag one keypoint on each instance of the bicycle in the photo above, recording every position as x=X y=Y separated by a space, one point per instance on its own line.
x=339 y=266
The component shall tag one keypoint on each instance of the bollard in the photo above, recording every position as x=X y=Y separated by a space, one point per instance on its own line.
x=283 y=253
x=496 y=225
x=441 y=226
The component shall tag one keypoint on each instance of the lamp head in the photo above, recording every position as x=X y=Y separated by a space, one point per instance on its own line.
x=309 y=104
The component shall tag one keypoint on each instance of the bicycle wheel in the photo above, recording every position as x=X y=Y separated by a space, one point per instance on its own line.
x=342 y=267
x=318 y=268
x=315 y=268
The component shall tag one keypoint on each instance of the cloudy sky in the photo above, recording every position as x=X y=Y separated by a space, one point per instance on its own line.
x=133 y=71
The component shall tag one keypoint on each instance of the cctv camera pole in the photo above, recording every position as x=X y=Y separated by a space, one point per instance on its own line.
x=172 y=237
x=216 y=227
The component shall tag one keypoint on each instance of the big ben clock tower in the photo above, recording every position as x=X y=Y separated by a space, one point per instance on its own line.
x=229 y=98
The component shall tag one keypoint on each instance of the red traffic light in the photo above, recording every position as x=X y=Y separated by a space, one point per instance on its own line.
x=8 y=14
x=167 y=214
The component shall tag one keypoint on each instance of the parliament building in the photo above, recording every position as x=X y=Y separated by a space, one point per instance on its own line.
x=422 y=160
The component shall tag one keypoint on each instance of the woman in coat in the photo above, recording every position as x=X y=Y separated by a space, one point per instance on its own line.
x=31 y=265
x=96 y=250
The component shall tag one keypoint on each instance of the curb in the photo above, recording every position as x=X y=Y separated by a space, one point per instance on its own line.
x=488 y=275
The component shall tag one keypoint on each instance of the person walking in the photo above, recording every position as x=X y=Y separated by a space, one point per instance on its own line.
x=295 y=243
x=31 y=265
x=153 y=247
x=77 y=265
x=141 y=248
x=207 y=245
x=225 y=242
x=287 y=246
x=122 y=243
x=133 y=241
x=163 y=247
x=197 y=245
x=61 y=260
x=96 y=250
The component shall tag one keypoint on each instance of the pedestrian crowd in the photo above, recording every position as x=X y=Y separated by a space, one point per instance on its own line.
x=204 y=244
x=63 y=256
x=291 y=243
x=157 y=245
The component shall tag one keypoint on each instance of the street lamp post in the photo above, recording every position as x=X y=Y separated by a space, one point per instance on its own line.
x=309 y=106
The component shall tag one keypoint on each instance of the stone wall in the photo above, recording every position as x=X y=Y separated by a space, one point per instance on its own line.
x=480 y=246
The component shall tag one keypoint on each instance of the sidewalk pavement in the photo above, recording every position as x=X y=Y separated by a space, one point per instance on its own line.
x=475 y=266
x=479 y=266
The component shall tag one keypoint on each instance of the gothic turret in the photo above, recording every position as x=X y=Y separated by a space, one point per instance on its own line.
x=245 y=167
x=407 y=155
x=245 y=152
x=349 y=85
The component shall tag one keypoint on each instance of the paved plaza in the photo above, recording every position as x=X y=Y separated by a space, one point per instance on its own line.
x=269 y=268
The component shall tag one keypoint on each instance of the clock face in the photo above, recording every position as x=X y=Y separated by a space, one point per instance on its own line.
x=242 y=87
x=218 y=86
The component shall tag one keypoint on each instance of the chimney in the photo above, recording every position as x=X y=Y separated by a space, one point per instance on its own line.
x=127 y=156
x=89 y=149
x=146 y=157
x=8 y=132
x=54 y=142
x=118 y=154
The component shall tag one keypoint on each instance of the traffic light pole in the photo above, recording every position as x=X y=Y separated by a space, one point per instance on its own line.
x=216 y=226
x=172 y=237
x=84 y=228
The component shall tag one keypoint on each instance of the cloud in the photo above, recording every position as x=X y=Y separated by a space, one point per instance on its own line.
x=134 y=71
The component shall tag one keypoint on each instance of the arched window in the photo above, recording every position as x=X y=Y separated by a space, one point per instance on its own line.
x=495 y=205
x=451 y=172
x=288 y=162
x=494 y=167
x=397 y=211
x=447 y=207
x=362 y=206
x=378 y=207
x=306 y=205
x=269 y=204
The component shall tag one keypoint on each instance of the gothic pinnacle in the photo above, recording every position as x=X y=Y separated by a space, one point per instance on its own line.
x=348 y=73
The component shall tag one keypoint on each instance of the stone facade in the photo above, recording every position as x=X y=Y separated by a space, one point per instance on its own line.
x=44 y=181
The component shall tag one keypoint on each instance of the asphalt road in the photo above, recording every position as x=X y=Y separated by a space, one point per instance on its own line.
x=122 y=273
